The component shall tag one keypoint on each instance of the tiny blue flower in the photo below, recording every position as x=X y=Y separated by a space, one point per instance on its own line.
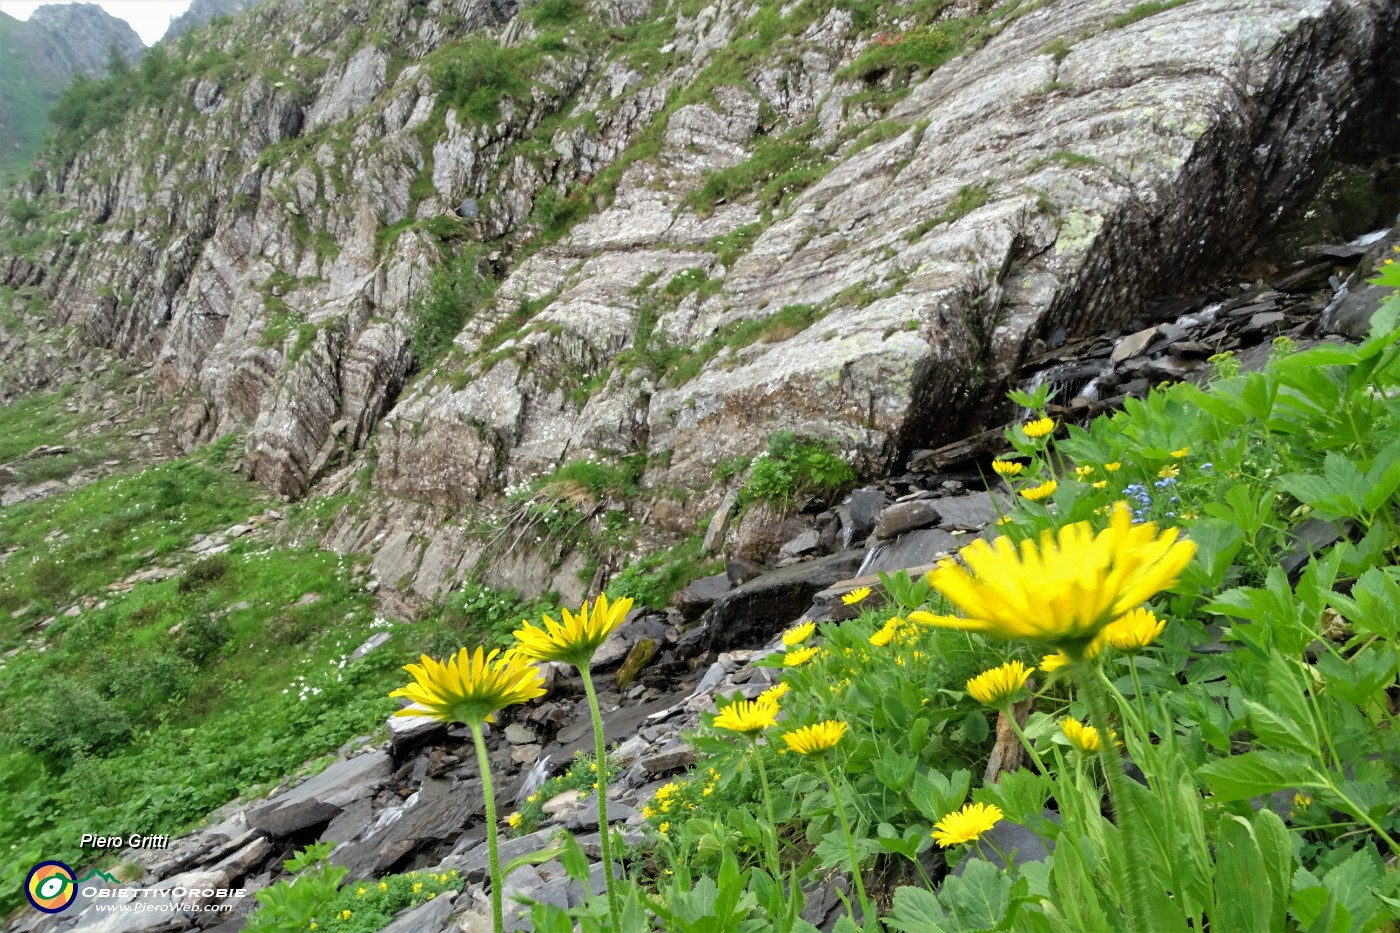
x=1207 y=466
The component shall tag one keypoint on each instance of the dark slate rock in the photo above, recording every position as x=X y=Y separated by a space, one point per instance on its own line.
x=862 y=508
x=701 y=594
x=804 y=543
x=915 y=549
x=586 y=819
x=474 y=862
x=1352 y=316
x=906 y=516
x=322 y=797
x=1310 y=537
x=750 y=614
x=619 y=644
x=740 y=571
x=971 y=511
x=442 y=810
x=428 y=917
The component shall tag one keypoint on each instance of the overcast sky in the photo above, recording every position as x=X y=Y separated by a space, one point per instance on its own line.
x=148 y=17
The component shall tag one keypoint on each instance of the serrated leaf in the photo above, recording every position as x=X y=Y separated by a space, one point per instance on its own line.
x=1255 y=773
x=917 y=910
x=977 y=898
x=1274 y=731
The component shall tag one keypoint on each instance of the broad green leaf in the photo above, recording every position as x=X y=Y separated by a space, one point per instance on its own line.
x=1244 y=893
x=1275 y=731
x=917 y=910
x=895 y=770
x=1254 y=773
x=1352 y=882
x=978 y=897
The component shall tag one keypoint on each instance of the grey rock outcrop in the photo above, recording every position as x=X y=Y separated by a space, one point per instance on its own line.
x=262 y=242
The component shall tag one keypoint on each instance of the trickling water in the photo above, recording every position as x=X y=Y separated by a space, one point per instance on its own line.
x=533 y=781
x=1066 y=380
x=870 y=557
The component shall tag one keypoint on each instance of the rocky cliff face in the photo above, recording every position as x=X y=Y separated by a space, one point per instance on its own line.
x=38 y=57
x=204 y=12
x=663 y=232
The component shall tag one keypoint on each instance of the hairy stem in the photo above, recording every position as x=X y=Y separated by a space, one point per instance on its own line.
x=604 y=831
x=492 y=855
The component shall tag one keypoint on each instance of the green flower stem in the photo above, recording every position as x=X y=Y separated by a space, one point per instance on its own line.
x=1133 y=852
x=497 y=919
x=604 y=831
x=1129 y=715
x=1010 y=714
x=770 y=838
x=865 y=913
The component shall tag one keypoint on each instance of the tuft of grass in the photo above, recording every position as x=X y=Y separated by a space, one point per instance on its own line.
x=968 y=199
x=1142 y=11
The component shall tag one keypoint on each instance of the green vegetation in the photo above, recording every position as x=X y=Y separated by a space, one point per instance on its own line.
x=915 y=51
x=780 y=166
x=1142 y=11
x=968 y=199
x=1246 y=679
x=456 y=289
x=653 y=579
x=313 y=898
x=790 y=467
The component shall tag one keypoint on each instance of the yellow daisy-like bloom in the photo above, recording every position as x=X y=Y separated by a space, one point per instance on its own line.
x=1168 y=472
x=1113 y=467
x=1178 y=454
x=1085 y=738
x=1007 y=467
x=469 y=687
x=815 y=739
x=513 y=820
x=856 y=595
x=1039 y=428
x=799 y=634
x=1064 y=588
x=1053 y=662
x=774 y=693
x=746 y=717
x=1082 y=471
x=998 y=685
x=799 y=657
x=575 y=641
x=966 y=825
x=1134 y=631
x=1040 y=493
x=1101 y=484
x=886 y=633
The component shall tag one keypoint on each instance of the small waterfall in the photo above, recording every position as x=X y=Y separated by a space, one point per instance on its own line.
x=870 y=558
x=533 y=781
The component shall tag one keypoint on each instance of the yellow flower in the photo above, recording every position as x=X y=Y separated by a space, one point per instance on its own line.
x=886 y=633
x=1178 y=454
x=469 y=687
x=1005 y=520
x=774 y=693
x=799 y=634
x=1101 y=484
x=648 y=812
x=665 y=825
x=1039 y=493
x=799 y=657
x=998 y=685
x=1134 y=631
x=360 y=892
x=1007 y=467
x=856 y=595
x=709 y=789
x=966 y=825
x=1301 y=800
x=1113 y=467
x=1168 y=472
x=1085 y=738
x=345 y=915
x=513 y=820
x=575 y=641
x=1082 y=471
x=417 y=887
x=383 y=886
x=815 y=739
x=746 y=717
x=1053 y=662
x=311 y=925
x=1039 y=428
x=1063 y=589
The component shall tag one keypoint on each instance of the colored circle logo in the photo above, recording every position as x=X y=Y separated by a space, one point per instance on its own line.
x=50 y=887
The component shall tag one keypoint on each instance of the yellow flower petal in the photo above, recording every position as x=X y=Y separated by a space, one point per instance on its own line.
x=966 y=825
